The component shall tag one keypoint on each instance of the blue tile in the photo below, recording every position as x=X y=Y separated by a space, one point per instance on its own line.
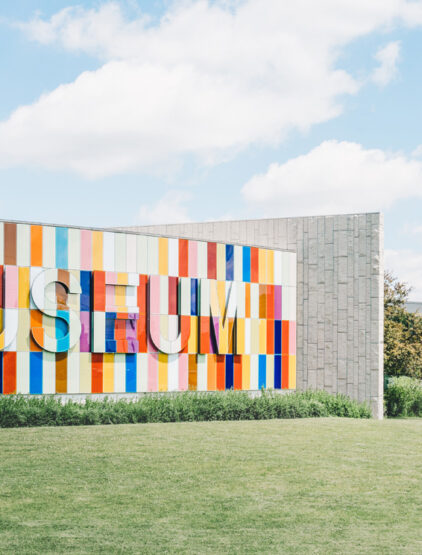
x=86 y=290
x=247 y=264
x=194 y=297
x=229 y=372
x=277 y=372
x=262 y=372
x=277 y=337
x=229 y=262
x=61 y=247
x=131 y=373
x=35 y=373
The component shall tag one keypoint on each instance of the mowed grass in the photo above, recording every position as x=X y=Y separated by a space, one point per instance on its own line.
x=277 y=486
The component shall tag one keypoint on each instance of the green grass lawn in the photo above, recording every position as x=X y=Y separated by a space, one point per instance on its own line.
x=277 y=486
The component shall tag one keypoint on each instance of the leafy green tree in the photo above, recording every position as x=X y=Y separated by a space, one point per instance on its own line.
x=402 y=332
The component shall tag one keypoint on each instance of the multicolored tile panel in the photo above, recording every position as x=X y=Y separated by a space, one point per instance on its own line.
x=86 y=311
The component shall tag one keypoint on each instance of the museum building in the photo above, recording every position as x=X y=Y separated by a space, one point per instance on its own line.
x=274 y=304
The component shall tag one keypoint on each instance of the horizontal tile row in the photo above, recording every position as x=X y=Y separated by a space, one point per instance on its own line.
x=82 y=249
x=130 y=334
x=49 y=373
x=99 y=293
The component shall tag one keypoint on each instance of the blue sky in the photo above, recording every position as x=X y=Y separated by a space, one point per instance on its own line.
x=132 y=112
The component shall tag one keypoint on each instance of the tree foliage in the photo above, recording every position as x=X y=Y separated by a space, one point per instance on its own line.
x=402 y=332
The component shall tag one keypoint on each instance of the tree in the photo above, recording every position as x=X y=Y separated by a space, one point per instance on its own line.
x=402 y=332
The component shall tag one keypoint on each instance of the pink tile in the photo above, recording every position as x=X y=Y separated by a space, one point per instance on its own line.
x=292 y=338
x=183 y=372
x=11 y=286
x=152 y=372
x=193 y=259
x=86 y=249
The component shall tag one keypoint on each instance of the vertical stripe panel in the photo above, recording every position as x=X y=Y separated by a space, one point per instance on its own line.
x=97 y=372
x=97 y=250
x=86 y=249
x=85 y=373
x=23 y=246
x=142 y=254
x=163 y=256
x=193 y=373
x=152 y=252
x=221 y=262
x=162 y=372
x=74 y=248
x=173 y=254
x=73 y=372
x=119 y=385
x=130 y=367
x=152 y=372
x=193 y=259
x=142 y=372
x=22 y=373
x=61 y=372
x=35 y=373
x=61 y=247
x=49 y=247
x=262 y=371
x=229 y=372
x=246 y=372
x=202 y=372
x=108 y=251
x=49 y=373
x=9 y=243
x=131 y=264
x=277 y=371
x=119 y=252
x=183 y=371
x=36 y=245
x=1 y=251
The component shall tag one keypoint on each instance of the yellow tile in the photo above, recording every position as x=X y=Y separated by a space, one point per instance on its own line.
x=292 y=371
x=240 y=343
x=122 y=278
x=97 y=250
x=23 y=288
x=120 y=295
x=262 y=336
x=246 y=372
x=193 y=338
x=108 y=373
x=163 y=256
x=162 y=372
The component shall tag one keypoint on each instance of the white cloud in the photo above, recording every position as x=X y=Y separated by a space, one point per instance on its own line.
x=334 y=177
x=170 y=209
x=417 y=153
x=388 y=56
x=406 y=265
x=209 y=79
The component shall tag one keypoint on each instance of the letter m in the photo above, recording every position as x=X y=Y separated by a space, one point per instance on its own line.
x=217 y=303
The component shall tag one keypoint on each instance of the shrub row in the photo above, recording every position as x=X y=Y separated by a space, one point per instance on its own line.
x=18 y=411
x=403 y=397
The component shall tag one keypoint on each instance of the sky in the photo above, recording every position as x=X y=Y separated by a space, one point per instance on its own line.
x=143 y=112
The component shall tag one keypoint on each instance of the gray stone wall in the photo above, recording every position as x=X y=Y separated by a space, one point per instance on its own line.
x=340 y=292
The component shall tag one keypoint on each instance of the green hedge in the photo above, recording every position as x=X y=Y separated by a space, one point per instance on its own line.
x=18 y=411
x=403 y=397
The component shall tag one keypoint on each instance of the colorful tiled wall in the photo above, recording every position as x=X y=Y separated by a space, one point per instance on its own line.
x=99 y=321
